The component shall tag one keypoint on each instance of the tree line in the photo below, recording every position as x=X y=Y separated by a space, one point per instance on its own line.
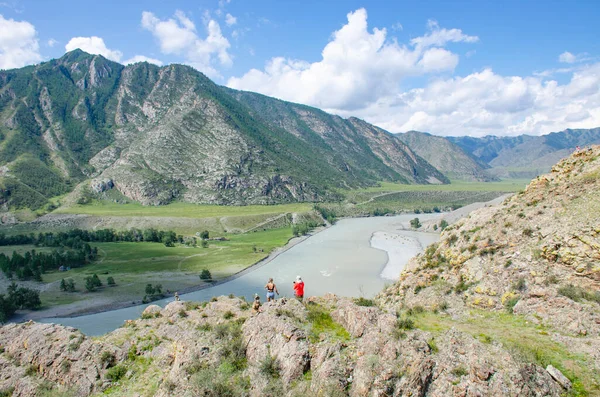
x=76 y=237
x=32 y=264
x=18 y=298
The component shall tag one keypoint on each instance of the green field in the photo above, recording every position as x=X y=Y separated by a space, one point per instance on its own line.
x=508 y=185
x=133 y=265
x=397 y=198
x=180 y=210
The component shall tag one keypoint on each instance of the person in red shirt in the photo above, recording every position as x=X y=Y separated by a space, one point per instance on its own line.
x=299 y=288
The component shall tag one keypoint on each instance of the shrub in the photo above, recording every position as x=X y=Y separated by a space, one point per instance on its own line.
x=577 y=293
x=204 y=243
x=452 y=239
x=459 y=371
x=108 y=359
x=65 y=366
x=528 y=232
x=510 y=304
x=110 y=281
x=221 y=331
x=228 y=315
x=270 y=367
x=520 y=284
x=443 y=224
x=132 y=353
x=205 y=275
x=204 y=327
x=443 y=306
x=31 y=370
x=116 y=373
x=432 y=345
x=364 y=302
x=405 y=323
x=182 y=313
x=8 y=392
x=415 y=223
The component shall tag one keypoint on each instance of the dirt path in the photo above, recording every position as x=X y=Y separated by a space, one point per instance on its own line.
x=377 y=196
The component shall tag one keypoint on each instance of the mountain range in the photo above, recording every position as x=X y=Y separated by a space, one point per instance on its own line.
x=170 y=133
x=85 y=124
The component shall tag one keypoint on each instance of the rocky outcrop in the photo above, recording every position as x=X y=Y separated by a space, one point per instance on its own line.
x=536 y=255
x=328 y=347
x=101 y=185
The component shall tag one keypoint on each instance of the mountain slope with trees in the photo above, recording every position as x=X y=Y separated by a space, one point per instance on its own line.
x=163 y=134
x=526 y=155
x=447 y=157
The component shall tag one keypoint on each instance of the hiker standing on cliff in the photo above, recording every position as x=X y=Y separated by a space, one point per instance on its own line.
x=271 y=289
x=299 y=288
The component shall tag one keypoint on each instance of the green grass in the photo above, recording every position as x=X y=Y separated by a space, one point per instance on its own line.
x=526 y=341
x=133 y=265
x=322 y=323
x=181 y=210
x=508 y=185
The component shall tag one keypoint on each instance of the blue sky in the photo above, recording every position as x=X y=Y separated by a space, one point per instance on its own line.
x=451 y=68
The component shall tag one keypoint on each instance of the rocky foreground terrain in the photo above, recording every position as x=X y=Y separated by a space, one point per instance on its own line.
x=506 y=304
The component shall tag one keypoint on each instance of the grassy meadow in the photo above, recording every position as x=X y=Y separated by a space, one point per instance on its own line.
x=180 y=210
x=133 y=265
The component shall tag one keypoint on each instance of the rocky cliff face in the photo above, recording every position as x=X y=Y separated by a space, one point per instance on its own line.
x=170 y=133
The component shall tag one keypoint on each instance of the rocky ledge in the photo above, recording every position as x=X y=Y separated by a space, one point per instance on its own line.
x=329 y=346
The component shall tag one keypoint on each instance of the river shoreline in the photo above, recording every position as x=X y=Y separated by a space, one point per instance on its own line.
x=62 y=312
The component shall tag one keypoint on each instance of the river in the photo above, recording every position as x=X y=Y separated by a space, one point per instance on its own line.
x=340 y=259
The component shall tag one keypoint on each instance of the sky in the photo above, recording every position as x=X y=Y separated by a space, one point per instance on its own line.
x=446 y=67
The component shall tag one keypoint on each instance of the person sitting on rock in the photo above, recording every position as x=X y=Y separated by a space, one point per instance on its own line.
x=176 y=297
x=271 y=289
x=256 y=305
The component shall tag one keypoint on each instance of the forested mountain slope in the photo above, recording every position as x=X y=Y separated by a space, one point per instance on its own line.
x=163 y=134
x=526 y=155
x=446 y=156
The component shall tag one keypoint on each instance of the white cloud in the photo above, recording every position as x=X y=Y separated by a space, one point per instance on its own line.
x=397 y=26
x=93 y=45
x=361 y=70
x=142 y=58
x=96 y=45
x=357 y=66
x=485 y=103
x=230 y=20
x=52 y=43
x=178 y=36
x=19 y=44
x=439 y=37
x=567 y=57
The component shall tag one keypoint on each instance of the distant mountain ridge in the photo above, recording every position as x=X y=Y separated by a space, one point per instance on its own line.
x=526 y=156
x=159 y=134
x=452 y=160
